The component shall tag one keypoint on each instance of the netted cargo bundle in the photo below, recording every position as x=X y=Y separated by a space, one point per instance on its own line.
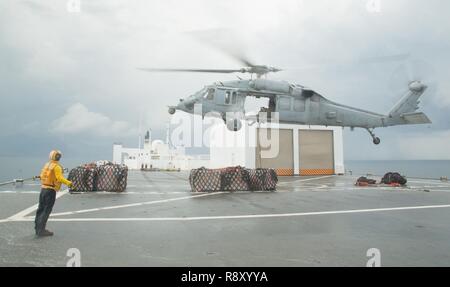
x=205 y=180
x=232 y=179
x=83 y=178
x=112 y=177
x=262 y=179
x=103 y=177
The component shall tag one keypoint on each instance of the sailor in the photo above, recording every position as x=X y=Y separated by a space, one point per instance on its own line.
x=51 y=180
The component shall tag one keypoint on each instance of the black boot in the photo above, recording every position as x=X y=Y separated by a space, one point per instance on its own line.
x=44 y=233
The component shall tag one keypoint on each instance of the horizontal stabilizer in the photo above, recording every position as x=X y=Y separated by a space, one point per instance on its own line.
x=416 y=118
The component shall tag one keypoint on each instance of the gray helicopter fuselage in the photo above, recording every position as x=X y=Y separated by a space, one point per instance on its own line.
x=296 y=104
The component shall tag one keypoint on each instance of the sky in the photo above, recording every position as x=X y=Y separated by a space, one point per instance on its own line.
x=68 y=76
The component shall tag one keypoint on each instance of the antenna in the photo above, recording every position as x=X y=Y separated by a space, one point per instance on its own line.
x=150 y=137
x=140 y=140
x=168 y=133
x=140 y=131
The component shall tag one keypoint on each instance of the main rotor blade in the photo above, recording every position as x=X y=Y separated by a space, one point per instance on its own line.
x=225 y=40
x=385 y=59
x=414 y=70
x=353 y=63
x=241 y=59
x=222 y=71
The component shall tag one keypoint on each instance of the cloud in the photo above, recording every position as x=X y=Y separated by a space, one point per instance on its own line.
x=51 y=57
x=79 y=120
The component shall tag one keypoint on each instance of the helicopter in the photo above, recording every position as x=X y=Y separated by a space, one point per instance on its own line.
x=293 y=103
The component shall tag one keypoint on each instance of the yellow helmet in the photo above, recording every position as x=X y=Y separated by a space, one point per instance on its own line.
x=55 y=155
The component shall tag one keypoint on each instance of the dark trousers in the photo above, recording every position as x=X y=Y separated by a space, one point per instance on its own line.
x=46 y=201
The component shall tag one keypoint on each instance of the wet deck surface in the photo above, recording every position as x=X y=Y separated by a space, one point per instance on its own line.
x=322 y=221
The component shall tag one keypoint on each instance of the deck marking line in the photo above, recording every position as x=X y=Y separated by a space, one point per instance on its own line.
x=134 y=204
x=431 y=182
x=251 y=216
x=32 y=208
x=307 y=179
x=126 y=193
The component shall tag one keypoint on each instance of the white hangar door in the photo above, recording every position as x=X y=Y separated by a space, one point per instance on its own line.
x=283 y=162
x=316 y=152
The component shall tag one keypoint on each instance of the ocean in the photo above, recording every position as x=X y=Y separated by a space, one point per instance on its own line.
x=409 y=168
x=26 y=167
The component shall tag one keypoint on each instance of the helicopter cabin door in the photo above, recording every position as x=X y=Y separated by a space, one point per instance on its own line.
x=226 y=97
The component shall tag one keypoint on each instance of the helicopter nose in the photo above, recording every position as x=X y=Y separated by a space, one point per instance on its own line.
x=417 y=86
x=180 y=105
x=188 y=102
x=185 y=104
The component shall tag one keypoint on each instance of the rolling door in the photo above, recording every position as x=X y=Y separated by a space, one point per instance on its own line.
x=316 y=152
x=283 y=163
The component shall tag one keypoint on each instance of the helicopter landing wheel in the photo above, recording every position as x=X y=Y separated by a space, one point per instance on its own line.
x=376 y=140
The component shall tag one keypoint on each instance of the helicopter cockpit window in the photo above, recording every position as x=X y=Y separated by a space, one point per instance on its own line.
x=209 y=94
x=307 y=93
x=315 y=98
x=227 y=97
x=234 y=98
